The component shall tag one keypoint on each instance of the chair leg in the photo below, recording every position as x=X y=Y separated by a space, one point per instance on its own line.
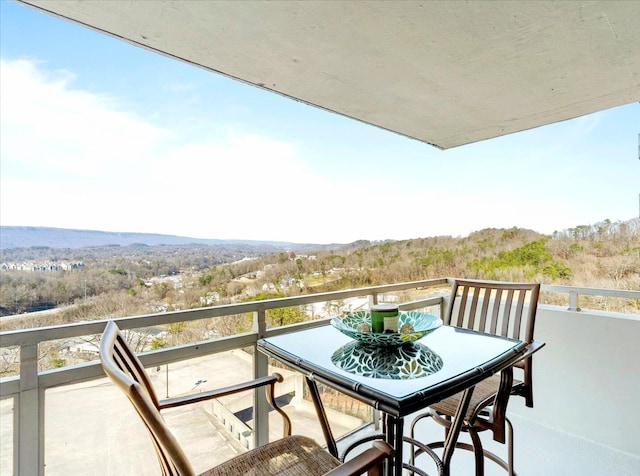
x=510 y=447
x=477 y=452
x=508 y=465
x=417 y=448
x=412 y=450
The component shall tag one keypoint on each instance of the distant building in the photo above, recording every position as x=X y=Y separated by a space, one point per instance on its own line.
x=43 y=267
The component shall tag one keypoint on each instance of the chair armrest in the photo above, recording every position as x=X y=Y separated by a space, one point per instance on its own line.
x=221 y=392
x=371 y=458
x=499 y=410
x=268 y=381
x=532 y=348
x=525 y=388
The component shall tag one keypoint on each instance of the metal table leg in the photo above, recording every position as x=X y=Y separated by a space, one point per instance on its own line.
x=393 y=434
x=322 y=416
x=449 y=445
x=454 y=431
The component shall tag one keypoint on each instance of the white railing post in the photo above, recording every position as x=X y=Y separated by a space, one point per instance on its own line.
x=444 y=305
x=573 y=301
x=260 y=369
x=30 y=437
x=375 y=414
x=298 y=391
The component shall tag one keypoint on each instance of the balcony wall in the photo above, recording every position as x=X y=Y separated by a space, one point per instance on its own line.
x=586 y=377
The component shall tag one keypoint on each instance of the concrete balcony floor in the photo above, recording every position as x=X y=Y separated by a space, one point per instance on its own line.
x=539 y=451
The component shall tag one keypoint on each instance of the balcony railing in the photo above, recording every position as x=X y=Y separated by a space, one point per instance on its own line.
x=28 y=389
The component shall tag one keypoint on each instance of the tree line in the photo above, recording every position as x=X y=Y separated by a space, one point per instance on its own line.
x=142 y=279
x=138 y=280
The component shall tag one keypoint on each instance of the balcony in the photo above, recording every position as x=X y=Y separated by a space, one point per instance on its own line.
x=586 y=418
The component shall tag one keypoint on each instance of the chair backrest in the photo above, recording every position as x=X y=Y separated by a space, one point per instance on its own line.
x=501 y=308
x=123 y=367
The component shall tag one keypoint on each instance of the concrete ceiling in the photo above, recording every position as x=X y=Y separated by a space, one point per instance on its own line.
x=446 y=73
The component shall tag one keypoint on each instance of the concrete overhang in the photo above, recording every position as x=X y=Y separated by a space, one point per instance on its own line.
x=446 y=73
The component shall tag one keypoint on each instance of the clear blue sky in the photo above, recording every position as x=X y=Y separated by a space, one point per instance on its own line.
x=98 y=134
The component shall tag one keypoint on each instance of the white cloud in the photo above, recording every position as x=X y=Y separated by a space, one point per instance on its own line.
x=76 y=159
x=71 y=158
x=51 y=129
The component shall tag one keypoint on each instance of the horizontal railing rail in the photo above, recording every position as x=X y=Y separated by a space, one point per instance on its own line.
x=65 y=331
x=28 y=388
x=574 y=293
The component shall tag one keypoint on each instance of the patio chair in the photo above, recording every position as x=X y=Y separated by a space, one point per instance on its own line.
x=289 y=456
x=508 y=310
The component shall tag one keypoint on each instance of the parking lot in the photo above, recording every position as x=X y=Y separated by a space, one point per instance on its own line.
x=91 y=428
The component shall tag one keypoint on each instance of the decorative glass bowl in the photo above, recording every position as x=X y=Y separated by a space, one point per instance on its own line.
x=412 y=325
x=398 y=362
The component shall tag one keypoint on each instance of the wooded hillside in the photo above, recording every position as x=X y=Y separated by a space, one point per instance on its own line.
x=140 y=279
x=136 y=280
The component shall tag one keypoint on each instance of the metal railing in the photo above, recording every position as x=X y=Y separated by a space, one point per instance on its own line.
x=28 y=388
x=575 y=292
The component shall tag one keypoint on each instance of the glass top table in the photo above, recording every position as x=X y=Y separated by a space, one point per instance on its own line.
x=395 y=380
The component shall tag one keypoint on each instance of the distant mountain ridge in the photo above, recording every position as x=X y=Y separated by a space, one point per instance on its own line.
x=37 y=236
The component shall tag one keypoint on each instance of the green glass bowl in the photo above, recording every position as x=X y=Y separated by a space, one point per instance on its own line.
x=352 y=324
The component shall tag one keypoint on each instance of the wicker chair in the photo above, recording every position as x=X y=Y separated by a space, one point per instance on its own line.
x=291 y=455
x=506 y=309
